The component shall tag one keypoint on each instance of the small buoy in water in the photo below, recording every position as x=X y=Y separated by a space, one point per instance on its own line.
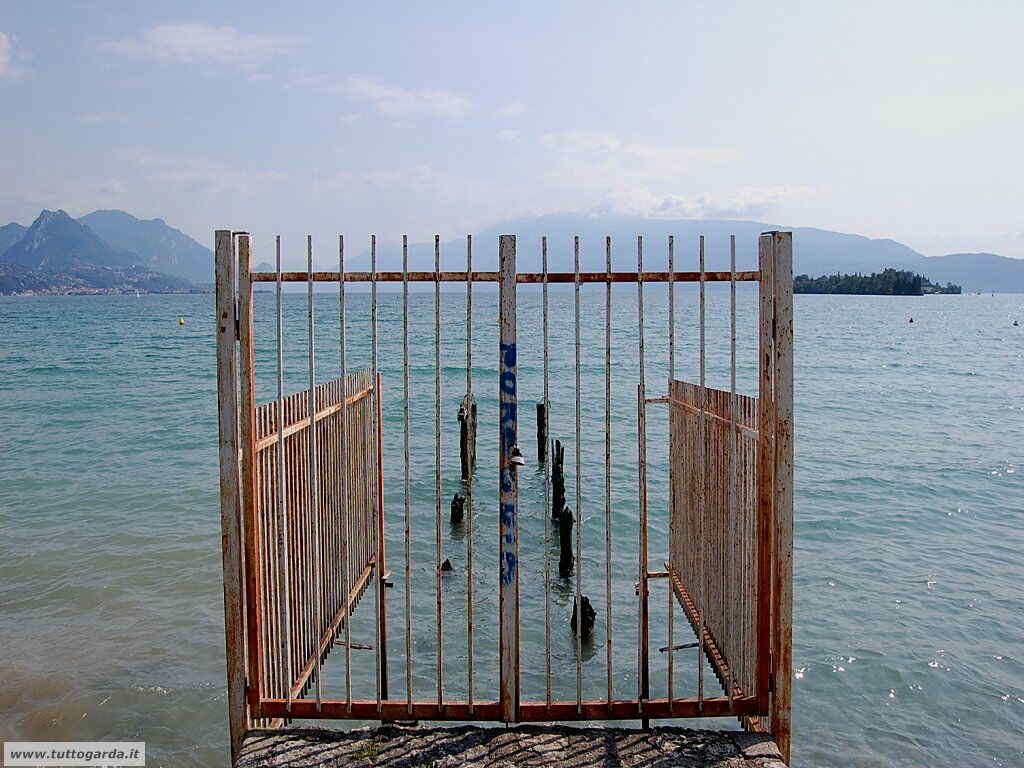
x=446 y=566
x=181 y=320
x=911 y=319
x=1015 y=323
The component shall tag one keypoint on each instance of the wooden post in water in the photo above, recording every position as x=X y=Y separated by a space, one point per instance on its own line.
x=558 y=482
x=230 y=498
x=782 y=556
x=589 y=616
x=467 y=436
x=542 y=433
x=458 y=509
x=566 y=560
x=508 y=583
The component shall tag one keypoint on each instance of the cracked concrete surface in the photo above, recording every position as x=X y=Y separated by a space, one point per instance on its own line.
x=393 y=746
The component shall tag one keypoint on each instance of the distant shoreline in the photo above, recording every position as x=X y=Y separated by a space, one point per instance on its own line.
x=50 y=294
x=888 y=282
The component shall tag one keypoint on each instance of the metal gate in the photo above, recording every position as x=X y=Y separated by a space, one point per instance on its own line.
x=303 y=518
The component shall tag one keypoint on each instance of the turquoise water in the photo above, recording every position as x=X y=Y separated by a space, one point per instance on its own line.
x=909 y=502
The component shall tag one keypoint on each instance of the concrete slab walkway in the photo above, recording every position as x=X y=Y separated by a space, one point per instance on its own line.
x=394 y=746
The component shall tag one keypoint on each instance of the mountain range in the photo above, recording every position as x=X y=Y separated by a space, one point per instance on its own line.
x=104 y=252
x=815 y=251
x=110 y=251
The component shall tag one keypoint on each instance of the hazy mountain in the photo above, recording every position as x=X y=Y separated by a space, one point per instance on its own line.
x=115 y=239
x=815 y=251
x=59 y=255
x=56 y=241
x=975 y=271
x=818 y=251
x=157 y=245
x=10 y=234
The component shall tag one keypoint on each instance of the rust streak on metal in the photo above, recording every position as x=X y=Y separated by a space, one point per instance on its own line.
x=521 y=277
x=328 y=637
x=601 y=709
x=303 y=423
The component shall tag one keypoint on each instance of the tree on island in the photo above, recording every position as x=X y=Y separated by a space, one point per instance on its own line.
x=888 y=282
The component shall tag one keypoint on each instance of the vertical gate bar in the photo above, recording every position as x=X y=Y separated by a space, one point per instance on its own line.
x=702 y=490
x=437 y=466
x=671 y=468
x=469 y=314
x=643 y=650
x=230 y=501
x=344 y=474
x=314 y=486
x=282 y=512
x=508 y=541
x=378 y=556
x=671 y=309
x=547 y=488
x=469 y=482
x=733 y=406
x=382 y=607
x=608 y=462
x=408 y=483
x=579 y=494
x=250 y=521
x=765 y=464
x=782 y=577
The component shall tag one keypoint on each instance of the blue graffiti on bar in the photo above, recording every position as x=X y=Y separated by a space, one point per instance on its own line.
x=508 y=416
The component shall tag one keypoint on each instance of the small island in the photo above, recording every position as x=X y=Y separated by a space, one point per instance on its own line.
x=888 y=282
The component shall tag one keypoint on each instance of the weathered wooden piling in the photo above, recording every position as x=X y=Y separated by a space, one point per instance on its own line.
x=589 y=616
x=467 y=436
x=458 y=508
x=565 y=556
x=542 y=433
x=558 y=482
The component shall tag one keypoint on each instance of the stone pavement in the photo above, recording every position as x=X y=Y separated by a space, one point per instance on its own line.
x=393 y=746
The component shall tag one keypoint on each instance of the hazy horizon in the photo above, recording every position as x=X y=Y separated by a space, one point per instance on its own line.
x=340 y=117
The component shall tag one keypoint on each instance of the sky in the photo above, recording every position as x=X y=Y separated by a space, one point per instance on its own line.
x=888 y=119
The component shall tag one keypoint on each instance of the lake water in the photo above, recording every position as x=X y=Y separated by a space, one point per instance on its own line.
x=909 y=620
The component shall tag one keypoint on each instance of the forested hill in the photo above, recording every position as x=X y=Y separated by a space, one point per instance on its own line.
x=888 y=282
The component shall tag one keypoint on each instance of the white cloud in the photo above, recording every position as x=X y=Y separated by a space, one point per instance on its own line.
x=348 y=118
x=509 y=134
x=201 y=42
x=512 y=109
x=5 y=54
x=607 y=173
x=419 y=198
x=629 y=158
x=190 y=174
x=746 y=203
x=394 y=101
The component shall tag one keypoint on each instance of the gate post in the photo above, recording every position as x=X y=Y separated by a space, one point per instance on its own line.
x=247 y=443
x=765 y=465
x=230 y=500
x=782 y=556
x=508 y=543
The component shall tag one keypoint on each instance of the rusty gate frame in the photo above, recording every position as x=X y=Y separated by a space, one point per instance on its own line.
x=766 y=708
